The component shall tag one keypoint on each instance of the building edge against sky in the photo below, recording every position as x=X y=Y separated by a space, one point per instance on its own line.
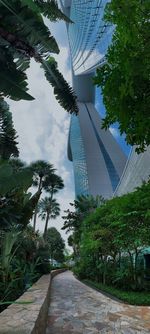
x=98 y=160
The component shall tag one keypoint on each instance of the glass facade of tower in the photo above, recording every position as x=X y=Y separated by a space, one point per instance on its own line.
x=98 y=161
x=89 y=36
x=114 y=177
x=78 y=157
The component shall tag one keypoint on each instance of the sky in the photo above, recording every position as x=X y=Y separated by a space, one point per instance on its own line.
x=42 y=125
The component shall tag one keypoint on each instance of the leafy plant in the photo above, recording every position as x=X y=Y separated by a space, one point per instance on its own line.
x=24 y=35
x=124 y=78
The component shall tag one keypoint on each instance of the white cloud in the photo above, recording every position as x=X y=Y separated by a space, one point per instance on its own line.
x=114 y=132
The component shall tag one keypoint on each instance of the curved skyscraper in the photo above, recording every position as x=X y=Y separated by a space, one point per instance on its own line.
x=97 y=158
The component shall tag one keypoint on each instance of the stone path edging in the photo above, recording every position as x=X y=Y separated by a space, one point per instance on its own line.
x=29 y=318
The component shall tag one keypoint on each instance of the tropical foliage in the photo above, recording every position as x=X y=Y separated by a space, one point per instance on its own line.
x=124 y=78
x=23 y=36
x=8 y=143
x=56 y=244
x=82 y=207
x=111 y=239
x=24 y=253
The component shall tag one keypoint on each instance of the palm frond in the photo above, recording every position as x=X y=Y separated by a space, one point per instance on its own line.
x=32 y=29
x=51 y=10
x=7 y=246
x=63 y=92
x=28 y=209
x=13 y=82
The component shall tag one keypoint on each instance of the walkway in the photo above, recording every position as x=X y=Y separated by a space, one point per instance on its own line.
x=78 y=309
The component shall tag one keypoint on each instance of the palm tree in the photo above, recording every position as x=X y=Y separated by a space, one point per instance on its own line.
x=42 y=171
x=87 y=203
x=17 y=164
x=53 y=183
x=50 y=209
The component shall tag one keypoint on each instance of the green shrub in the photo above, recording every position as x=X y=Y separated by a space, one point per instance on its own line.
x=130 y=297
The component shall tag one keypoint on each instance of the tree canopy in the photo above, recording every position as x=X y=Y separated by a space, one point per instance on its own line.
x=8 y=136
x=56 y=244
x=124 y=78
x=108 y=241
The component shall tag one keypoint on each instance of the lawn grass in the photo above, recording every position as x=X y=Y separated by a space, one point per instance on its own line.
x=129 y=297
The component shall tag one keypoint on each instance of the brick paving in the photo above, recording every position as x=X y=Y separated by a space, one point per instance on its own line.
x=78 y=309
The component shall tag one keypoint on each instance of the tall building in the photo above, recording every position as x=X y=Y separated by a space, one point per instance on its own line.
x=137 y=170
x=98 y=160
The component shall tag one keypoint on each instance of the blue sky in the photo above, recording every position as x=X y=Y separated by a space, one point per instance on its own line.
x=42 y=125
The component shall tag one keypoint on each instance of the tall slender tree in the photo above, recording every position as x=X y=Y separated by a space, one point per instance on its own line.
x=52 y=185
x=56 y=244
x=42 y=171
x=8 y=136
x=50 y=209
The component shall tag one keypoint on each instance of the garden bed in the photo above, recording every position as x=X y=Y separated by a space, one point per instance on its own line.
x=130 y=297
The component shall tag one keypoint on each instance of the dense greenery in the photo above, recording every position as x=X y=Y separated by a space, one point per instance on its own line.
x=124 y=78
x=18 y=263
x=110 y=240
x=82 y=206
x=56 y=245
x=25 y=253
x=8 y=143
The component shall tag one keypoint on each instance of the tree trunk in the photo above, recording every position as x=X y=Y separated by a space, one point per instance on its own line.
x=135 y=267
x=36 y=209
x=47 y=218
x=46 y=225
x=132 y=266
x=34 y=219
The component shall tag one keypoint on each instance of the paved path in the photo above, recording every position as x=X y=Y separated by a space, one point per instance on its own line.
x=78 y=309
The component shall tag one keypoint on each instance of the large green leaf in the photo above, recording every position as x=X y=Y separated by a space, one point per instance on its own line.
x=15 y=92
x=51 y=10
x=10 y=180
